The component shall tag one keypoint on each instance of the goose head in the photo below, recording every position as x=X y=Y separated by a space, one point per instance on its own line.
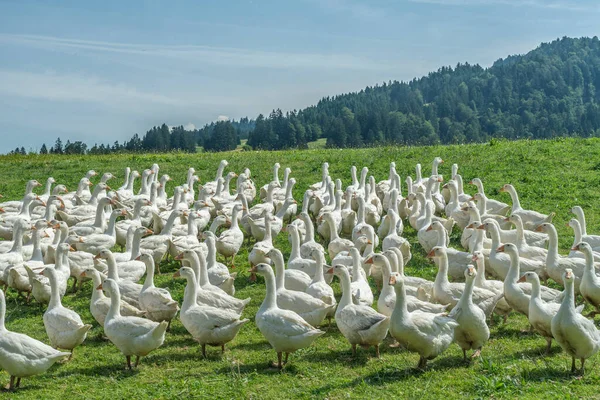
x=528 y=277
x=396 y=280
x=470 y=273
x=262 y=269
x=109 y=286
x=544 y=227
x=103 y=254
x=437 y=252
x=185 y=272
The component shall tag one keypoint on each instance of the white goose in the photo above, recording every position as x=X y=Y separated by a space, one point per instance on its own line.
x=336 y=243
x=157 y=303
x=218 y=273
x=64 y=327
x=208 y=294
x=387 y=298
x=472 y=331
x=313 y=310
x=100 y=304
x=517 y=295
x=22 y=356
x=593 y=240
x=424 y=333
x=285 y=330
x=541 y=312
x=445 y=292
x=531 y=219
x=294 y=279
x=130 y=291
x=206 y=324
x=230 y=241
x=590 y=282
x=295 y=261
x=493 y=206
x=133 y=336
x=360 y=324
x=577 y=335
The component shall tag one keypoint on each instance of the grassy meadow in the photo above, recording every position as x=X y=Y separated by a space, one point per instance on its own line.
x=549 y=176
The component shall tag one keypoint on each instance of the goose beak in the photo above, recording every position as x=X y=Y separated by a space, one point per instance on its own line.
x=474 y=258
x=431 y=254
x=470 y=226
x=83 y=274
x=176 y=275
x=482 y=227
x=179 y=257
x=71 y=248
x=81 y=240
x=521 y=279
x=99 y=287
x=254 y=269
x=97 y=257
x=539 y=228
x=429 y=228
x=149 y=231
x=329 y=271
x=500 y=249
x=138 y=258
x=369 y=260
x=575 y=248
x=42 y=271
x=471 y=183
x=369 y=242
x=392 y=280
x=471 y=271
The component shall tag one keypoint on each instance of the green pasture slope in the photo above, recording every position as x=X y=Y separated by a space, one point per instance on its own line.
x=549 y=175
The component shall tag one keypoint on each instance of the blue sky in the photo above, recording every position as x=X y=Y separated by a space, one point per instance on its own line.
x=102 y=71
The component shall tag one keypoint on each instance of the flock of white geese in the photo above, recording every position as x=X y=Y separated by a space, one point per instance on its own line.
x=57 y=235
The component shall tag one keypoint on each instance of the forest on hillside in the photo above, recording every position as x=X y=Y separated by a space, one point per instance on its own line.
x=551 y=91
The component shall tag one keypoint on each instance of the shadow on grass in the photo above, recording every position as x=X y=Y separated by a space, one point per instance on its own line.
x=117 y=371
x=263 y=368
x=549 y=373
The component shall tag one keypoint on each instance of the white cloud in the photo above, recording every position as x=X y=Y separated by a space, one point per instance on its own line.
x=222 y=118
x=221 y=56
x=355 y=8
x=189 y=126
x=558 y=5
x=57 y=87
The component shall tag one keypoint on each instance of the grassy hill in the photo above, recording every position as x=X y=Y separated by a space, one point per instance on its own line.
x=549 y=175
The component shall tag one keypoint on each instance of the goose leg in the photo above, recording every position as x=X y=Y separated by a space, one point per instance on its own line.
x=279 y=363
x=169 y=326
x=286 y=358
x=422 y=363
x=549 y=345
x=11 y=383
x=252 y=274
x=137 y=361
x=222 y=348
x=582 y=368
x=377 y=351
x=233 y=260
x=465 y=355
x=74 y=287
x=71 y=355
x=354 y=350
x=128 y=362
x=203 y=350
x=573 y=365
x=18 y=382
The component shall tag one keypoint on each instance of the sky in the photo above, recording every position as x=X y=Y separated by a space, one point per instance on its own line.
x=102 y=71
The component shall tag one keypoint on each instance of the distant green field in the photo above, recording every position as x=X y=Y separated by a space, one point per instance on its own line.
x=549 y=176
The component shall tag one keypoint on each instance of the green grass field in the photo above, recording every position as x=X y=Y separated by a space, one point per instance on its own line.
x=549 y=176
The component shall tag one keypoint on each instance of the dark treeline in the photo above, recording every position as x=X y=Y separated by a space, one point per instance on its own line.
x=216 y=136
x=551 y=91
